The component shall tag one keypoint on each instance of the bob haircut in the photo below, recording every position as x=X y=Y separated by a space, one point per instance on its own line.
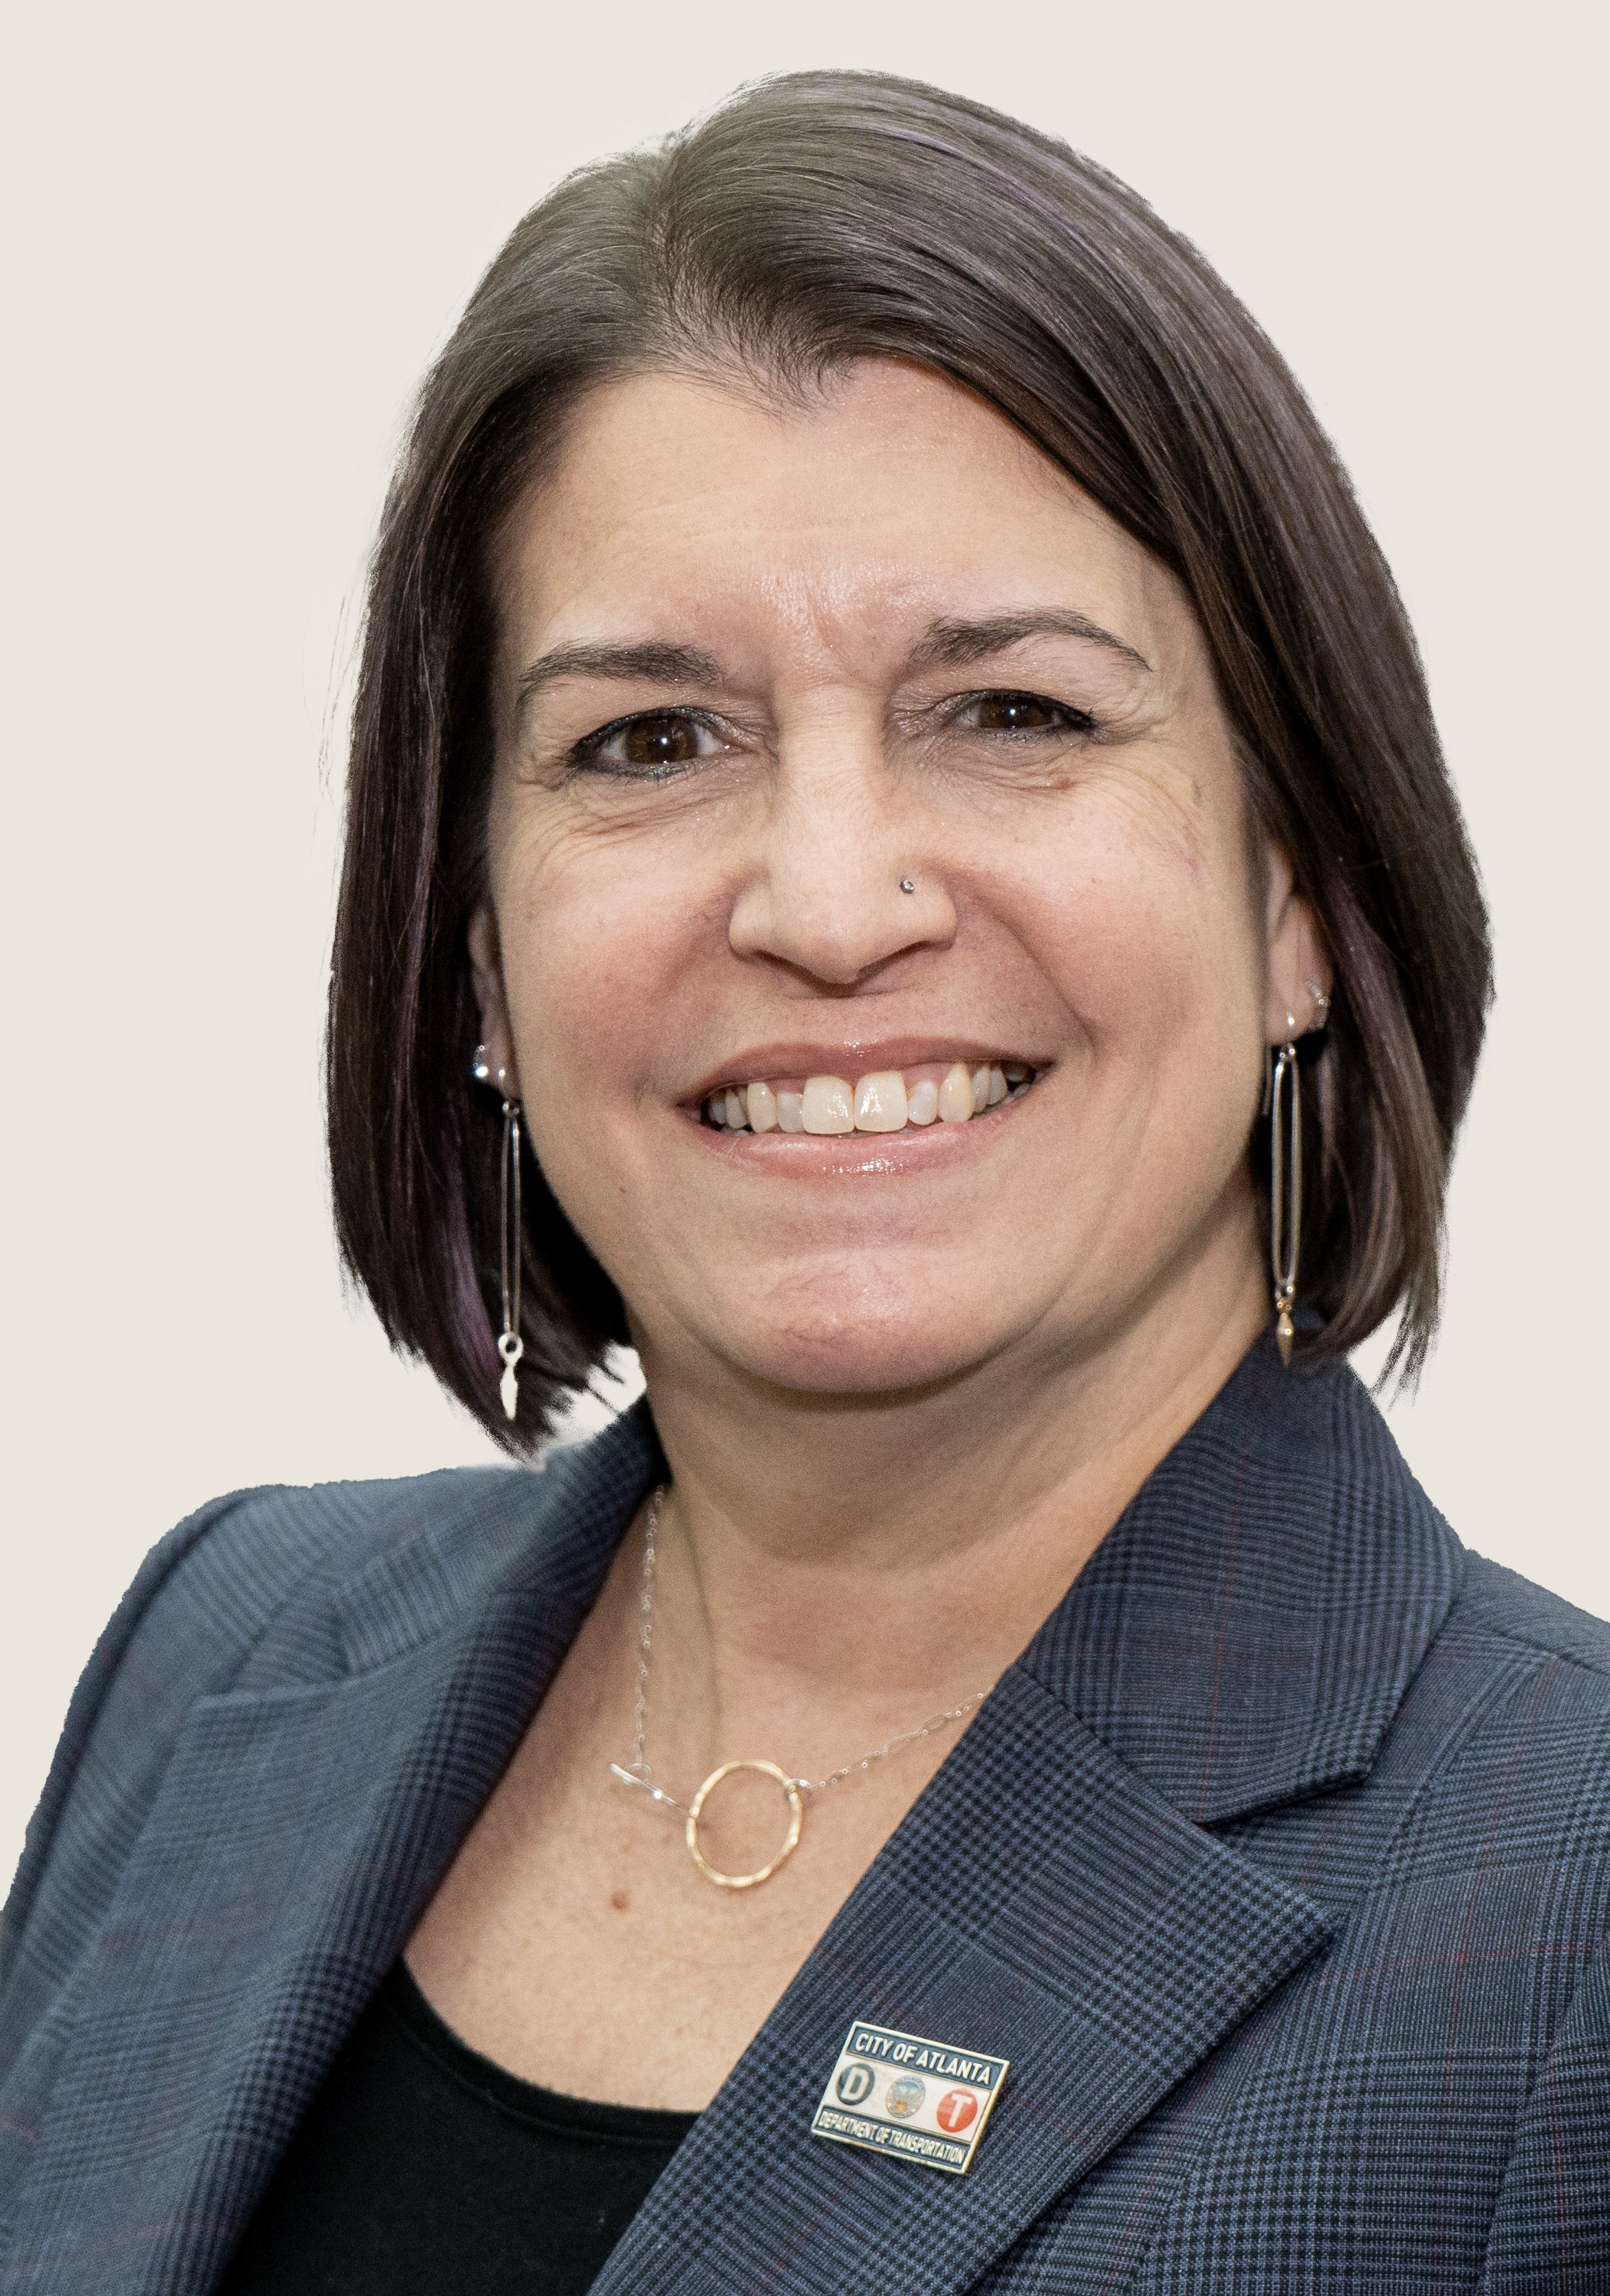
x=811 y=220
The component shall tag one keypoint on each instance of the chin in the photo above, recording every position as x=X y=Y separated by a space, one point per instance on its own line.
x=889 y=1354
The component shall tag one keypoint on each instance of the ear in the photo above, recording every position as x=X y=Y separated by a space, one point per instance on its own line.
x=1299 y=972
x=486 y=966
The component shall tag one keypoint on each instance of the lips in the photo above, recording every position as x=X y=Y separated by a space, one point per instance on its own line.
x=878 y=1100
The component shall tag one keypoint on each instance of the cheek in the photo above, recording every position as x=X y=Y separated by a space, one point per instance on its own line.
x=1142 y=920
x=600 y=951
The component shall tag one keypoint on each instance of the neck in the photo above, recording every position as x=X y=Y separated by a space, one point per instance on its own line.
x=830 y=1564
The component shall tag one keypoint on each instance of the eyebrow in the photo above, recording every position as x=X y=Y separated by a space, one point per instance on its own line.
x=953 y=643
x=658 y=662
x=654 y=662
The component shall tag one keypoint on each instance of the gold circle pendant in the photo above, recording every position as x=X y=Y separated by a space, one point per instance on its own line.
x=796 y=1812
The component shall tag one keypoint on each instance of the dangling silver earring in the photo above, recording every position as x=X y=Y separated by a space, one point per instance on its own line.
x=1285 y=1183
x=511 y=1346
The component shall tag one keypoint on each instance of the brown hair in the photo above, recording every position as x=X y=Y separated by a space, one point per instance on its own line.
x=811 y=220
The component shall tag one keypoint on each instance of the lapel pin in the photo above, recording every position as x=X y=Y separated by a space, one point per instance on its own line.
x=915 y=2100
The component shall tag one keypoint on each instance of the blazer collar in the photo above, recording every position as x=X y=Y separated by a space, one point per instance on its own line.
x=1245 y=1633
x=1242 y=1638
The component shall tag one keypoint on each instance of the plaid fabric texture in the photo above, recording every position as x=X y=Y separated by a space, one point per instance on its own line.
x=1279 y=1867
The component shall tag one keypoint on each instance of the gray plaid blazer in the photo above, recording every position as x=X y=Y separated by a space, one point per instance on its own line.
x=1279 y=1865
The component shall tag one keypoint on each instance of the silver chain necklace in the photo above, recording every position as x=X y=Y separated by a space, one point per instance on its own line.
x=638 y=1772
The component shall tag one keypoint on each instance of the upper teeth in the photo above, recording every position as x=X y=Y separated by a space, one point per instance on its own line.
x=883 y=1101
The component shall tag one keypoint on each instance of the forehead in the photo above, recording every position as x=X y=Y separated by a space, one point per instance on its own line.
x=887 y=499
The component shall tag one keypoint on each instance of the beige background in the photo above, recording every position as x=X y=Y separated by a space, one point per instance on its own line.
x=236 y=236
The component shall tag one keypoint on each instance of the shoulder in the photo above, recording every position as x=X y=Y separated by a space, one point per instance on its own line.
x=250 y=1568
x=250 y=1580
x=256 y=1584
x=250 y=1583
x=1500 y=1604
x=1531 y=1651
x=279 y=1587
x=1511 y=1715
x=1512 y=1835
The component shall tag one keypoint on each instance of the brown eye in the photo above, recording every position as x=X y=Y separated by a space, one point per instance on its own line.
x=657 y=742
x=652 y=746
x=1014 y=713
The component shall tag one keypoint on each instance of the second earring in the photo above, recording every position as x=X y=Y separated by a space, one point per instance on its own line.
x=511 y=1346
x=1285 y=1189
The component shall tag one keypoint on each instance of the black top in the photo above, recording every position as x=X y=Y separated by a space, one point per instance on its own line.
x=421 y=2167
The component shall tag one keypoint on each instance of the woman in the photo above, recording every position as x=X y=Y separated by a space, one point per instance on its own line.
x=898 y=861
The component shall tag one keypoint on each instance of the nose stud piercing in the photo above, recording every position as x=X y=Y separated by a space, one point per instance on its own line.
x=908 y=884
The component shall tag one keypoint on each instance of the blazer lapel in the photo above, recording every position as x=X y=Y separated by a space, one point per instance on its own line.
x=1040 y=1902
x=297 y=1836
x=1245 y=1633
x=1243 y=1638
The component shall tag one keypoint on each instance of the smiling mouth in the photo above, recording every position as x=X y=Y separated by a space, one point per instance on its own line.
x=885 y=1100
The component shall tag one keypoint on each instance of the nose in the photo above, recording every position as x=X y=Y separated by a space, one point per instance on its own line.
x=826 y=889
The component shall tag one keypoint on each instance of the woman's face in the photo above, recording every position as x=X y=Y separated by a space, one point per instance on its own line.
x=854 y=742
